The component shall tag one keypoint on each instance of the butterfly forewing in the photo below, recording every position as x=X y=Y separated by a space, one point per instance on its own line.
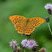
x=37 y=21
x=19 y=23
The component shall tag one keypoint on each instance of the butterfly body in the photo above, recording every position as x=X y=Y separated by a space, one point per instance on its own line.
x=26 y=25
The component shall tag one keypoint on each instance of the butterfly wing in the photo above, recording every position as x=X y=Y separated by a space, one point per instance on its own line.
x=19 y=23
x=32 y=24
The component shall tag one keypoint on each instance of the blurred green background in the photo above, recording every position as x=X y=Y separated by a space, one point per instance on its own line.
x=27 y=8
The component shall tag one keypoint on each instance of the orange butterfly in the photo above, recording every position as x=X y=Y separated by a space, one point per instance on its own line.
x=26 y=25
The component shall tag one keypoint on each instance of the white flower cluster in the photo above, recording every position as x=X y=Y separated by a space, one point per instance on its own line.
x=13 y=43
x=29 y=43
x=48 y=6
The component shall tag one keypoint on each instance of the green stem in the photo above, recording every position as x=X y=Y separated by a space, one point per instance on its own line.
x=24 y=50
x=49 y=28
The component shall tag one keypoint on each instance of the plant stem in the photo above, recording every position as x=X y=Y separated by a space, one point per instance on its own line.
x=24 y=50
x=49 y=28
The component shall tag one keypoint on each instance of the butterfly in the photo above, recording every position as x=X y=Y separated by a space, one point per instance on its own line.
x=25 y=25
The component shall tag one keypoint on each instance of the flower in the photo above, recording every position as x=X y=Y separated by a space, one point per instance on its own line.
x=29 y=43
x=24 y=43
x=49 y=8
x=42 y=50
x=13 y=43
